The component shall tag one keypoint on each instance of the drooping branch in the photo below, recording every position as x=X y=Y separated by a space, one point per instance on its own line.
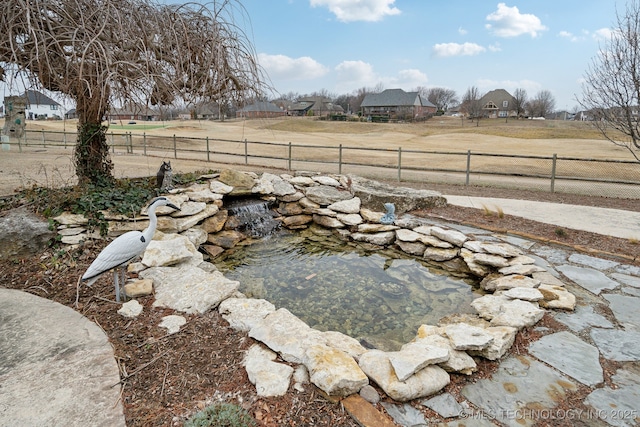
x=128 y=52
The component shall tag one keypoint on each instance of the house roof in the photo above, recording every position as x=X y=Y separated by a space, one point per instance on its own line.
x=37 y=98
x=262 y=106
x=497 y=96
x=394 y=98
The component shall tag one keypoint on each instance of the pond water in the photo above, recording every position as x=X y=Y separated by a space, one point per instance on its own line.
x=379 y=297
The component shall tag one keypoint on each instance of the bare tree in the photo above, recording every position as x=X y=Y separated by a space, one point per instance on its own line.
x=103 y=53
x=441 y=97
x=611 y=90
x=520 y=97
x=471 y=104
x=542 y=104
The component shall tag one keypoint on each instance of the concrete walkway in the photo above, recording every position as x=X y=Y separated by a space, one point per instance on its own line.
x=610 y=222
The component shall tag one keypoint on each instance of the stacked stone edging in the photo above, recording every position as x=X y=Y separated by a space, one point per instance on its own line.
x=518 y=290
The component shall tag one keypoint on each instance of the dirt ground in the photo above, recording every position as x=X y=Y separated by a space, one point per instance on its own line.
x=167 y=378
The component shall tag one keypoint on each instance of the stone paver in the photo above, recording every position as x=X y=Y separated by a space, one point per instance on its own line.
x=592 y=280
x=626 y=309
x=616 y=344
x=582 y=318
x=569 y=354
x=519 y=383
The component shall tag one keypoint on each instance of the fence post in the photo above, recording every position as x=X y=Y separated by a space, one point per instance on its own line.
x=289 y=162
x=113 y=145
x=43 y=139
x=130 y=143
x=553 y=172
x=208 y=158
x=340 y=159
x=399 y=163
x=64 y=138
x=246 y=152
x=466 y=182
x=175 y=147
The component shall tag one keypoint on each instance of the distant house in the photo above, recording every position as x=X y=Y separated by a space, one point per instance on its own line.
x=314 y=106
x=396 y=104
x=133 y=112
x=260 y=110
x=498 y=104
x=40 y=106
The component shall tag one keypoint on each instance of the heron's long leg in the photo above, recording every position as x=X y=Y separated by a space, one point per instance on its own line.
x=117 y=285
x=124 y=281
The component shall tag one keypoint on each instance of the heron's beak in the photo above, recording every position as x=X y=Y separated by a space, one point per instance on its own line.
x=171 y=205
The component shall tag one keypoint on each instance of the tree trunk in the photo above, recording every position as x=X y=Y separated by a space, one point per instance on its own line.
x=91 y=157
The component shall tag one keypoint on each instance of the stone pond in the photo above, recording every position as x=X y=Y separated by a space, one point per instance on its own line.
x=515 y=291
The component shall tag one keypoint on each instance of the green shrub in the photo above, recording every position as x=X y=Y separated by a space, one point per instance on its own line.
x=221 y=415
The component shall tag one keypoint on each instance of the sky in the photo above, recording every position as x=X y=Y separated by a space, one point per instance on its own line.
x=339 y=46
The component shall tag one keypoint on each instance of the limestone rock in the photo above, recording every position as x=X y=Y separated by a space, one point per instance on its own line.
x=172 y=323
x=186 y=223
x=221 y=188
x=427 y=381
x=557 y=297
x=333 y=371
x=189 y=209
x=241 y=182
x=286 y=334
x=269 y=377
x=197 y=236
x=522 y=269
x=343 y=342
x=349 y=206
x=374 y=195
x=130 y=309
x=296 y=221
x=326 y=180
x=412 y=358
x=226 y=239
x=502 y=311
x=173 y=249
x=503 y=338
x=215 y=223
x=525 y=294
x=188 y=289
x=454 y=237
x=380 y=239
x=439 y=254
x=467 y=337
x=243 y=313
x=458 y=361
x=23 y=233
x=499 y=283
x=67 y=218
x=376 y=228
x=327 y=221
x=138 y=288
x=412 y=248
x=325 y=195
x=349 y=219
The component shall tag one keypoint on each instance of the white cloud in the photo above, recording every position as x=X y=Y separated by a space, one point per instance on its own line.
x=603 y=34
x=408 y=79
x=358 y=10
x=284 y=67
x=457 y=49
x=570 y=36
x=509 y=22
x=357 y=73
x=462 y=31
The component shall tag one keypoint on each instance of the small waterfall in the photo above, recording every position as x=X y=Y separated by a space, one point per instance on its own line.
x=254 y=217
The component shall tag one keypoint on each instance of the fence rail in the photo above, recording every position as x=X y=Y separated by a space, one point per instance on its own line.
x=612 y=178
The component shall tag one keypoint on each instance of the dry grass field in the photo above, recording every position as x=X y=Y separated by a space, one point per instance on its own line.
x=53 y=166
